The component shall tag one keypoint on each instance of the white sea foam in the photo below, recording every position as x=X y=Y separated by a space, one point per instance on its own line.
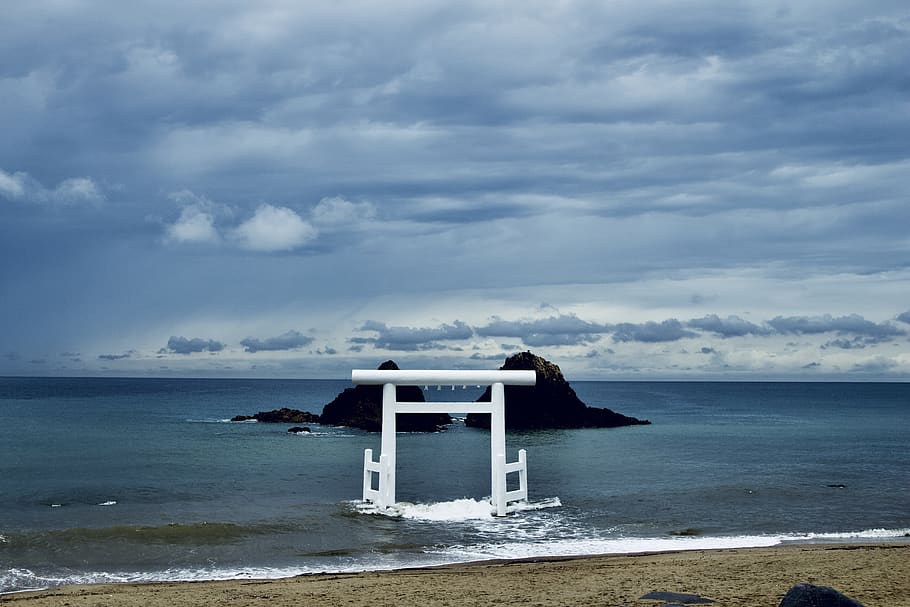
x=577 y=546
x=315 y=434
x=520 y=547
x=24 y=580
x=453 y=511
x=457 y=510
x=868 y=534
x=17 y=580
x=547 y=535
x=108 y=503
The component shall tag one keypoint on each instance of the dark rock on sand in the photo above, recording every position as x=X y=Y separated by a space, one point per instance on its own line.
x=361 y=407
x=551 y=403
x=280 y=416
x=810 y=595
x=677 y=597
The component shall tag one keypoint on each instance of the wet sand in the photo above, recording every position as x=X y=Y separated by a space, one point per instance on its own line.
x=877 y=575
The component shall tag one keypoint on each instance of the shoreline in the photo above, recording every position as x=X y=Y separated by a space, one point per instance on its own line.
x=875 y=574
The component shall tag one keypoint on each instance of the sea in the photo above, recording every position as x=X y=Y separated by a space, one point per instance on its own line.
x=116 y=480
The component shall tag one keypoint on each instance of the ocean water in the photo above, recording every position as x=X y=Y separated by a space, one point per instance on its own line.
x=145 y=479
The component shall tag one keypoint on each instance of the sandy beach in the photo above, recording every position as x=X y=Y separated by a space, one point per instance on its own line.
x=874 y=574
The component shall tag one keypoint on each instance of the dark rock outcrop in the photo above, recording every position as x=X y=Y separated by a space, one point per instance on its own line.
x=551 y=403
x=677 y=597
x=299 y=430
x=361 y=407
x=810 y=595
x=280 y=416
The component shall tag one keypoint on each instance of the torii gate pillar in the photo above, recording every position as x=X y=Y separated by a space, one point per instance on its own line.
x=384 y=495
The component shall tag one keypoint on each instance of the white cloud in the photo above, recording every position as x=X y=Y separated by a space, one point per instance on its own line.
x=12 y=185
x=270 y=229
x=337 y=211
x=195 y=225
x=77 y=190
x=273 y=229
x=72 y=191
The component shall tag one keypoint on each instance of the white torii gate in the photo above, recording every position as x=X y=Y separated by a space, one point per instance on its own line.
x=384 y=495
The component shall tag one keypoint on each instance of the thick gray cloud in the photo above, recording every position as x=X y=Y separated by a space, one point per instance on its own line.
x=651 y=332
x=411 y=338
x=846 y=344
x=291 y=340
x=182 y=345
x=852 y=324
x=731 y=326
x=904 y=317
x=562 y=330
x=21 y=187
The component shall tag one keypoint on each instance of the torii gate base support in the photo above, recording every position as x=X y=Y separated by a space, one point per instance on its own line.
x=384 y=495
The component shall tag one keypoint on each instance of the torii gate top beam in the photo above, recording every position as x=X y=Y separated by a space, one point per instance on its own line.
x=405 y=377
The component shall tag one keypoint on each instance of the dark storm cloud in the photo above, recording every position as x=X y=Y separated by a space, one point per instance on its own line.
x=570 y=330
x=192 y=81
x=182 y=345
x=412 y=338
x=852 y=324
x=291 y=340
x=651 y=332
x=562 y=330
x=731 y=326
x=856 y=343
x=114 y=356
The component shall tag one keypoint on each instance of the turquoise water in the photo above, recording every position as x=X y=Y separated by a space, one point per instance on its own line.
x=144 y=479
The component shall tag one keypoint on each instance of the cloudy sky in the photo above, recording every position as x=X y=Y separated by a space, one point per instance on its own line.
x=635 y=190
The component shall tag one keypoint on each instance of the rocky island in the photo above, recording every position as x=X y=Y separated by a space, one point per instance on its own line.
x=280 y=416
x=551 y=403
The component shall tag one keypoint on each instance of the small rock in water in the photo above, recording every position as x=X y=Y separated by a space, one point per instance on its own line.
x=299 y=430
x=686 y=532
x=280 y=416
